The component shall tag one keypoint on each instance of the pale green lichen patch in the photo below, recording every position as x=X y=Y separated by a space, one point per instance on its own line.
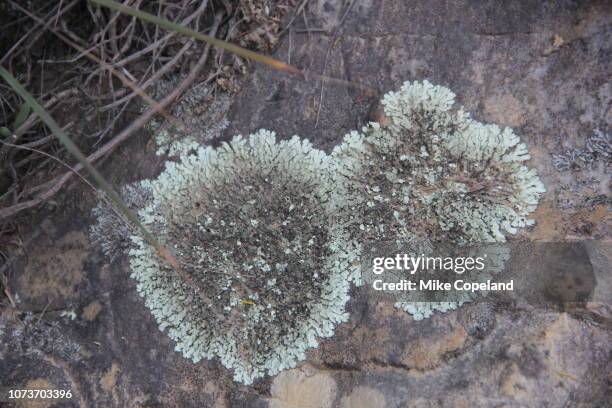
x=431 y=172
x=251 y=222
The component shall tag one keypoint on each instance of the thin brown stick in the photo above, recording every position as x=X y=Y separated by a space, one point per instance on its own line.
x=5 y=283
x=33 y=119
x=157 y=44
x=155 y=77
x=7 y=292
x=297 y=11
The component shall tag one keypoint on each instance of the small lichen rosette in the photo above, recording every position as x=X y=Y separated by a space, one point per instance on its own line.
x=429 y=171
x=432 y=170
x=250 y=222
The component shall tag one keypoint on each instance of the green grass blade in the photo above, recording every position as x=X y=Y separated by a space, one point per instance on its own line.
x=22 y=115
x=76 y=152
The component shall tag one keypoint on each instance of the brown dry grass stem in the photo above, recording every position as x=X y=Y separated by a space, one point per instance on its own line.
x=37 y=31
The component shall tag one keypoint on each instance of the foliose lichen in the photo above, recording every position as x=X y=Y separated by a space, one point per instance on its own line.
x=423 y=304
x=250 y=221
x=597 y=148
x=430 y=172
x=591 y=168
x=112 y=230
x=201 y=113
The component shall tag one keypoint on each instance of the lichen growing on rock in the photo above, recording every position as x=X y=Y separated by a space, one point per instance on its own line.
x=250 y=221
x=591 y=168
x=422 y=304
x=597 y=148
x=201 y=112
x=271 y=232
x=430 y=172
x=112 y=230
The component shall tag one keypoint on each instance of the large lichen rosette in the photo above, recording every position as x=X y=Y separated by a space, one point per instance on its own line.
x=249 y=222
x=428 y=171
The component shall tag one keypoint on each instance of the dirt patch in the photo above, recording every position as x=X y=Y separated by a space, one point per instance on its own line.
x=55 y=273
x=36 y=384
x=303 y=388
x=429 y=353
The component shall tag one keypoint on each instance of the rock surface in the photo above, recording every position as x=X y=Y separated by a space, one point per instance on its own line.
x=543 y=68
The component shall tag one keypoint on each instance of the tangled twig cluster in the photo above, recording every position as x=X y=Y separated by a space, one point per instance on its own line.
x=86 y=49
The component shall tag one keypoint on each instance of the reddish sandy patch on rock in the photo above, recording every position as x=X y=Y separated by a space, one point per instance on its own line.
x=549 y=223
x=363 y=397
x=91 y=311
x=562 y=354
x=53 y=274
x=429 y=352
x=505 y=109
x=587 y=220
x=303 y=387
x=36 y=384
